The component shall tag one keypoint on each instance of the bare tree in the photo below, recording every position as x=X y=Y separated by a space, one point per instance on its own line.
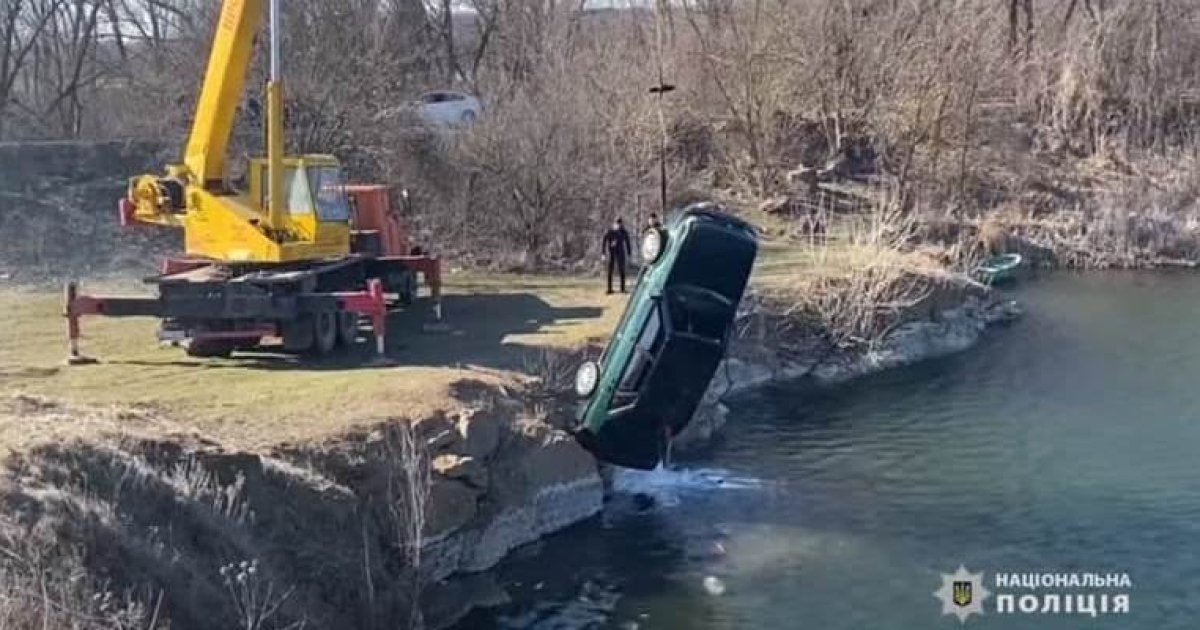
x=24 y=22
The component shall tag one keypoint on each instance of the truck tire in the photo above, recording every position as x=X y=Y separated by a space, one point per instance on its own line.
x=207 y=349
x=347 y=328
x=407 y=289
x=325 y=331
x=298 y=334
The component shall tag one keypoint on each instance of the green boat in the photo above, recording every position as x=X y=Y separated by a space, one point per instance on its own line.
x=999 y=269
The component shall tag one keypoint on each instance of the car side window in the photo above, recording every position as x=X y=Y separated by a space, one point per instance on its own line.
x=652 y=333
x=647 y=346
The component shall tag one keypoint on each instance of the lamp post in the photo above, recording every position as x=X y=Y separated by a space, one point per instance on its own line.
x=661 y=89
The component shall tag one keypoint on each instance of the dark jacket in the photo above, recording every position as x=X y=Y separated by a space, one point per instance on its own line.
x=616 y=243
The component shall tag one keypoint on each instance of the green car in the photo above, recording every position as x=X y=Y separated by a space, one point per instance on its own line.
x=671 y=338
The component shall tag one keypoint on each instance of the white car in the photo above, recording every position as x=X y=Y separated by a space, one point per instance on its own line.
x=446 y=107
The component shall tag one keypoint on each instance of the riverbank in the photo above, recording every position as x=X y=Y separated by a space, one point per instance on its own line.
x=144 y=476
x=815 y=492
x=951 y=317
x=343 y=483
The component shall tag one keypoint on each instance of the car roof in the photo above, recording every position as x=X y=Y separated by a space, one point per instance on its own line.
x=710 y=210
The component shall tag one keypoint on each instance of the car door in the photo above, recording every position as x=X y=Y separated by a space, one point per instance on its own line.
x=697 y=325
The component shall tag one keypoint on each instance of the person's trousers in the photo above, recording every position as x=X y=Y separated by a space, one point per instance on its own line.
x=617 y=263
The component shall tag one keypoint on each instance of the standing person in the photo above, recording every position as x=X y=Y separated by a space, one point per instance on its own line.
x=617 y=248
x=653 y=223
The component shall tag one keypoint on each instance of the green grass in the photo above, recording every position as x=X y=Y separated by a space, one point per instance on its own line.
x=255 y=400
x=493 y=323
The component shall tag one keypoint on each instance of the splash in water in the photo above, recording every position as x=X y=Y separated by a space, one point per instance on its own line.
x=668 y=485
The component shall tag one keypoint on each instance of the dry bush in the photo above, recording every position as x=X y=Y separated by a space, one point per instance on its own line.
x=945 y=101
x=569 y=146
x=44 y=585
x=853 y=294
x=1118 y=75
x=409 y=479
x=993 y=236
x=255 y=599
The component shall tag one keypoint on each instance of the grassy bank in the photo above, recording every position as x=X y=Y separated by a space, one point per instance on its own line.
x=494 y=325
x=261 y=458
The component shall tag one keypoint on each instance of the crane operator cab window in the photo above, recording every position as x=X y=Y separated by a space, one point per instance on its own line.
x=325 y=183
x=309 y=188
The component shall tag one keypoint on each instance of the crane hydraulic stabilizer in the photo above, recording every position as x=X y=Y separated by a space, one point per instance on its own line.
x=295 y=255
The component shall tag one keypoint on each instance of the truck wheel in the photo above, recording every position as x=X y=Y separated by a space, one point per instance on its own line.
x=325 y=331
x=298 y=334
x=347 y=328
x=404 y=284
x=208 y=349
x=409 y=294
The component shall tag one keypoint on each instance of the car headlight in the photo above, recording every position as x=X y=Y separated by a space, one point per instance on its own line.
x=586 y=378
x=652 y=245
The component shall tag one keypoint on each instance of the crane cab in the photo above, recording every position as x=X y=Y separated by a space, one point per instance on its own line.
x=313 y=188
x=235 y=229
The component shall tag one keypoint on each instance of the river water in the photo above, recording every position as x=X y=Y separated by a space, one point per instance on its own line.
x=1064 y=443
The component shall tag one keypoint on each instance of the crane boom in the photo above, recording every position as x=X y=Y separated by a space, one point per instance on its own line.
x=224 y=82
x=294 y=208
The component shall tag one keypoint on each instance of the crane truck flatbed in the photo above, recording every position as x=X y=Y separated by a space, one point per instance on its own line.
x=216 y=309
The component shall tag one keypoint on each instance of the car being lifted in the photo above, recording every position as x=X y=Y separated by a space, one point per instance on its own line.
x=671 y=338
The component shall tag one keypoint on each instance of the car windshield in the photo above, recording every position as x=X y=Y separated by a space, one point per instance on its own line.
x=329 y=193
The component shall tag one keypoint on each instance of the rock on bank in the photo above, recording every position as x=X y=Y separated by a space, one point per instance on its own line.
x=330 y=529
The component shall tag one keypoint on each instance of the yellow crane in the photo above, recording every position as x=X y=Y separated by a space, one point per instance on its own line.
x=294 y=208
x=297 y=256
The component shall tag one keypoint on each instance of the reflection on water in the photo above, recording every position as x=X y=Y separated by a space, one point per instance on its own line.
x=1064 y=443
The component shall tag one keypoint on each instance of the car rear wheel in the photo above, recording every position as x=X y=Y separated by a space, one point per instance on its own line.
x=586 y=378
